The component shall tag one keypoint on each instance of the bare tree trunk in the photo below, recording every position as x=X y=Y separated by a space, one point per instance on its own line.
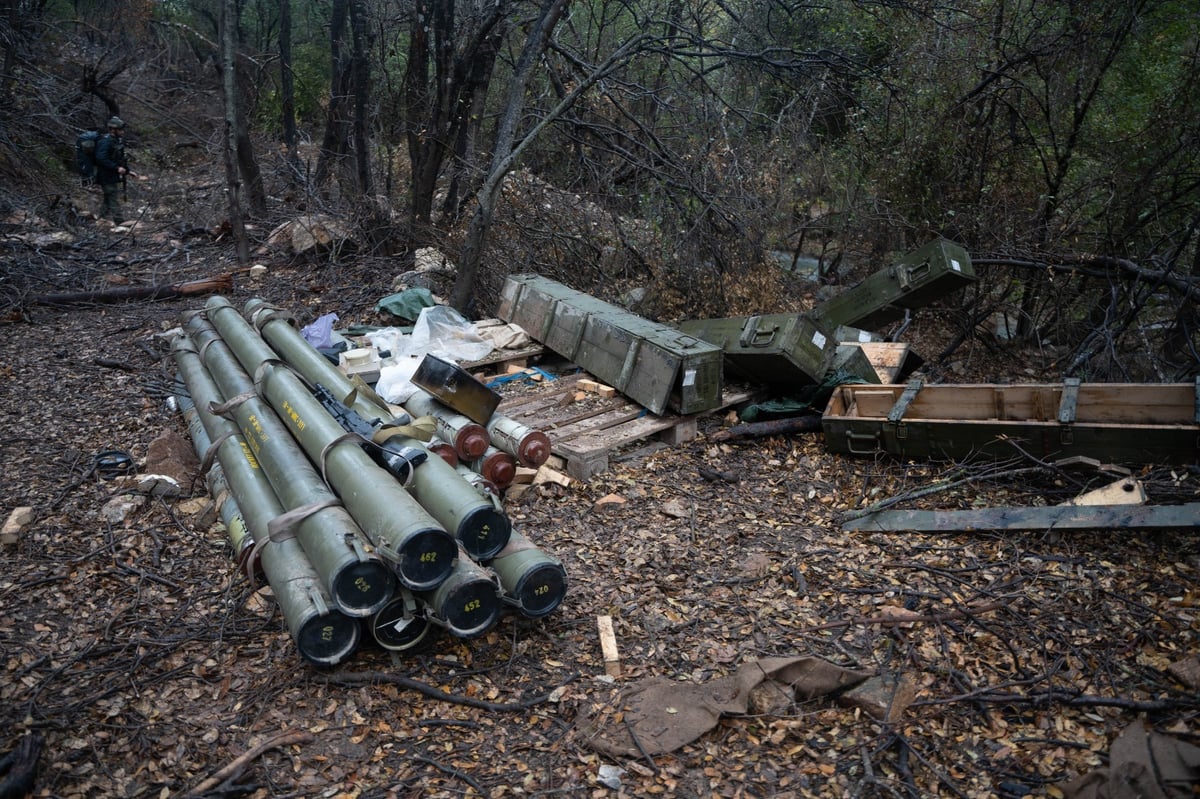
x=243 y=152
x=333 y=144
x=502 y=154
x=469 y=115
x=506 y=149
x=361 y=72
x=429 y=51
x=229 y=87
x=449 y=68
x=256 y=195
x=287 y=90
x=10 y=38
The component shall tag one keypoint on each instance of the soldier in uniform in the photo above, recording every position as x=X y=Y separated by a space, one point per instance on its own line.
x=111 y=168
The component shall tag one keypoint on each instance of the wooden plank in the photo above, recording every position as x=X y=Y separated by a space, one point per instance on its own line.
x=583 y=434
x=531 y=403
x=594 y=421
x=874 y=403
x=889 y=359
x=907 y=397
x=1058 y=517
x=1068 y=404
x=608 y=646
x=619 y=435
x=505 y=357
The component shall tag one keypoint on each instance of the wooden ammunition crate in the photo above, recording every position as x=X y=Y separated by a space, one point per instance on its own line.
x=917 y=279
x=533 y=302
x=1119 y=422
x=653 y=364
x=779 y=349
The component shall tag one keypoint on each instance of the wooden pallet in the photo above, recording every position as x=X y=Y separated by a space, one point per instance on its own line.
x=496 y=363
x=584 y=432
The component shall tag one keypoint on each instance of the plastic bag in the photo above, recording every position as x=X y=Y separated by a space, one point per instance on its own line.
x=320 y=333
x=395 y=379
x=446 y=333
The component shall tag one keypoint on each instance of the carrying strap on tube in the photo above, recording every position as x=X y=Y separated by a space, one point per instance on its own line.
x=284 y=526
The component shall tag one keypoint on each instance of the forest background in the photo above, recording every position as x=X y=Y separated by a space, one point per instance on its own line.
x=694 y=142
x=691 y=159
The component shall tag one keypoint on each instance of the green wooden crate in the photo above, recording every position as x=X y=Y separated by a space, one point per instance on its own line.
x=917 y=279
x=658 y=366
x=1118 y=422
x=779 y=349
x=532 y=302
x=653 y=364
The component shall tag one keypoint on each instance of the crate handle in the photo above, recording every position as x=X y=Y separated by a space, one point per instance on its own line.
x=851 y=437
x=908 y=275
x=752 y=336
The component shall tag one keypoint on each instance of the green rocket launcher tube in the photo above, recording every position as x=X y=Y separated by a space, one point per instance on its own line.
x=359 y=582
x=218 y=487
x=468 y=603
x=533 y=581
x=421 y=551
x=475 y=521
x=323 y=635
x=401 y=625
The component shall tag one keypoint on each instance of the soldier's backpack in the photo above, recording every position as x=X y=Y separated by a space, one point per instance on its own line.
x=85 y=154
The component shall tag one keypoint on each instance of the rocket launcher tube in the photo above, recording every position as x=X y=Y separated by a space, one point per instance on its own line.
x=477 y=522
x=530 y=447
x=218 y=487
x=533 y=581
x=468 y=603
x=401 y=625
x=359 y=582
x=420 y=551
x=323 y=635
x=400 y=460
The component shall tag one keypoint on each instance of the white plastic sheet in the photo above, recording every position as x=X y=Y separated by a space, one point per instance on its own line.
x=441 y=331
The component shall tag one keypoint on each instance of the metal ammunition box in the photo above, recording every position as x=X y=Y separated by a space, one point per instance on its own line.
x=1120 y=422
x=456 y=388
x=778 y=349
x=653 y=364
x=914 y=281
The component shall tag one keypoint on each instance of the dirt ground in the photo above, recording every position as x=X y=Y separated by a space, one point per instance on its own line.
x=147 y=666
